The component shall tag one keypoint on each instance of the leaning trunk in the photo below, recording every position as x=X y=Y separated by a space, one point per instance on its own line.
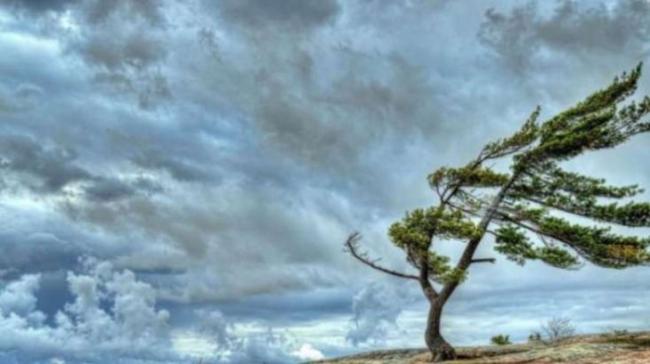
x=438 y=346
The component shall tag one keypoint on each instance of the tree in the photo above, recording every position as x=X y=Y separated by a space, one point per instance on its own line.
x=558 y=329
x=529 y=208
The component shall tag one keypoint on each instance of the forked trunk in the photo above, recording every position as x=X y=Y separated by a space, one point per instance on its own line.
x=440 y=349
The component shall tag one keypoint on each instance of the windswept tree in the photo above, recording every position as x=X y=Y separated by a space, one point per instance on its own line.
x=529 y=208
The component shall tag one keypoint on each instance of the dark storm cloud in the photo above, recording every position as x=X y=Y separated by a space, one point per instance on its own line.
x=293 y=14
x=573 y=30
x=42 y=242
x=52 y=168
x=297 y=306
x=116 y=53
x=183 y=170
x=37 y=252
x=109 y=190
x=255 y=227
x=95 y=10
x=98 y=11
x=121 y=41
x=300 y=133
x=40 y=6
x=371 y=90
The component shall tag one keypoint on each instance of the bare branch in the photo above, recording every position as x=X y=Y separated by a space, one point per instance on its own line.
x=352 y=246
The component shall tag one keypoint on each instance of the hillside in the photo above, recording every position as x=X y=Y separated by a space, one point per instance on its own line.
x=620 y=348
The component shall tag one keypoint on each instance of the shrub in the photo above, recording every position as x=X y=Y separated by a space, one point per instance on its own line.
x=500 y=340
x=558 y=329
x=535 y=337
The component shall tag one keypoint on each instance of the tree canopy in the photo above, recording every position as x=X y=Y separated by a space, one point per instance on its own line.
x=536 y=188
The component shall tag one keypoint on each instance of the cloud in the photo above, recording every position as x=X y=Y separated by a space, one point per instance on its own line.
x=111 y=312
x=308 y=352
x=376 y=311
x=179 y=168
x=52 y=168
x=151 y=10
x=216 y=339
x=23 y=97
x=572 y=30
x=121 y=42
x=37 y=252
x=123 y=56
x=293 y=14
x=18 y=296
x=41 y=6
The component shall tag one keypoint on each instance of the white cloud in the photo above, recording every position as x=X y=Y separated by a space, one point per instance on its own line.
x=308 y=352
x=194 y=345
x=18 y=296
x=218 y=339
x=111 y=312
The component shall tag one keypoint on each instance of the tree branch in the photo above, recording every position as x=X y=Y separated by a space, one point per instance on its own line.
x=428 y=289
x=579 y=213
x=483 y=260
x=352 y=246
x=466 y=258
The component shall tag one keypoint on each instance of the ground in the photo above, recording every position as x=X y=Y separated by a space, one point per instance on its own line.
x=610 y=348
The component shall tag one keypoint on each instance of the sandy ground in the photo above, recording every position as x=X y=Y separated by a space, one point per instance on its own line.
x=632 y=348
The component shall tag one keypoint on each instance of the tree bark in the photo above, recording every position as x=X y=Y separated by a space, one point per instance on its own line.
x=440 y=349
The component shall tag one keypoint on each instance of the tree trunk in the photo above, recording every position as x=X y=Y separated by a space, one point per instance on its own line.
x=440 y=349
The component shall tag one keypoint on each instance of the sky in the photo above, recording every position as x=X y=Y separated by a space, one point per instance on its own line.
x=178 y=177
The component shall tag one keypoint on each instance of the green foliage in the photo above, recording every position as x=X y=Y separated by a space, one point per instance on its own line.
x=557 y=257
x=415 y=231
x=454 y=225
x=500 y=340
x=439 y=267
x=549 y=180
x=454 y=275
x=630 y=214
x=515 y=245
x=418 y=227
x=597 y=244
x=542 y=185
x=469 y=176
x=592 y=124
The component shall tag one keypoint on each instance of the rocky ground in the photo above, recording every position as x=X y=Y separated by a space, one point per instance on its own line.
x=611 y=348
